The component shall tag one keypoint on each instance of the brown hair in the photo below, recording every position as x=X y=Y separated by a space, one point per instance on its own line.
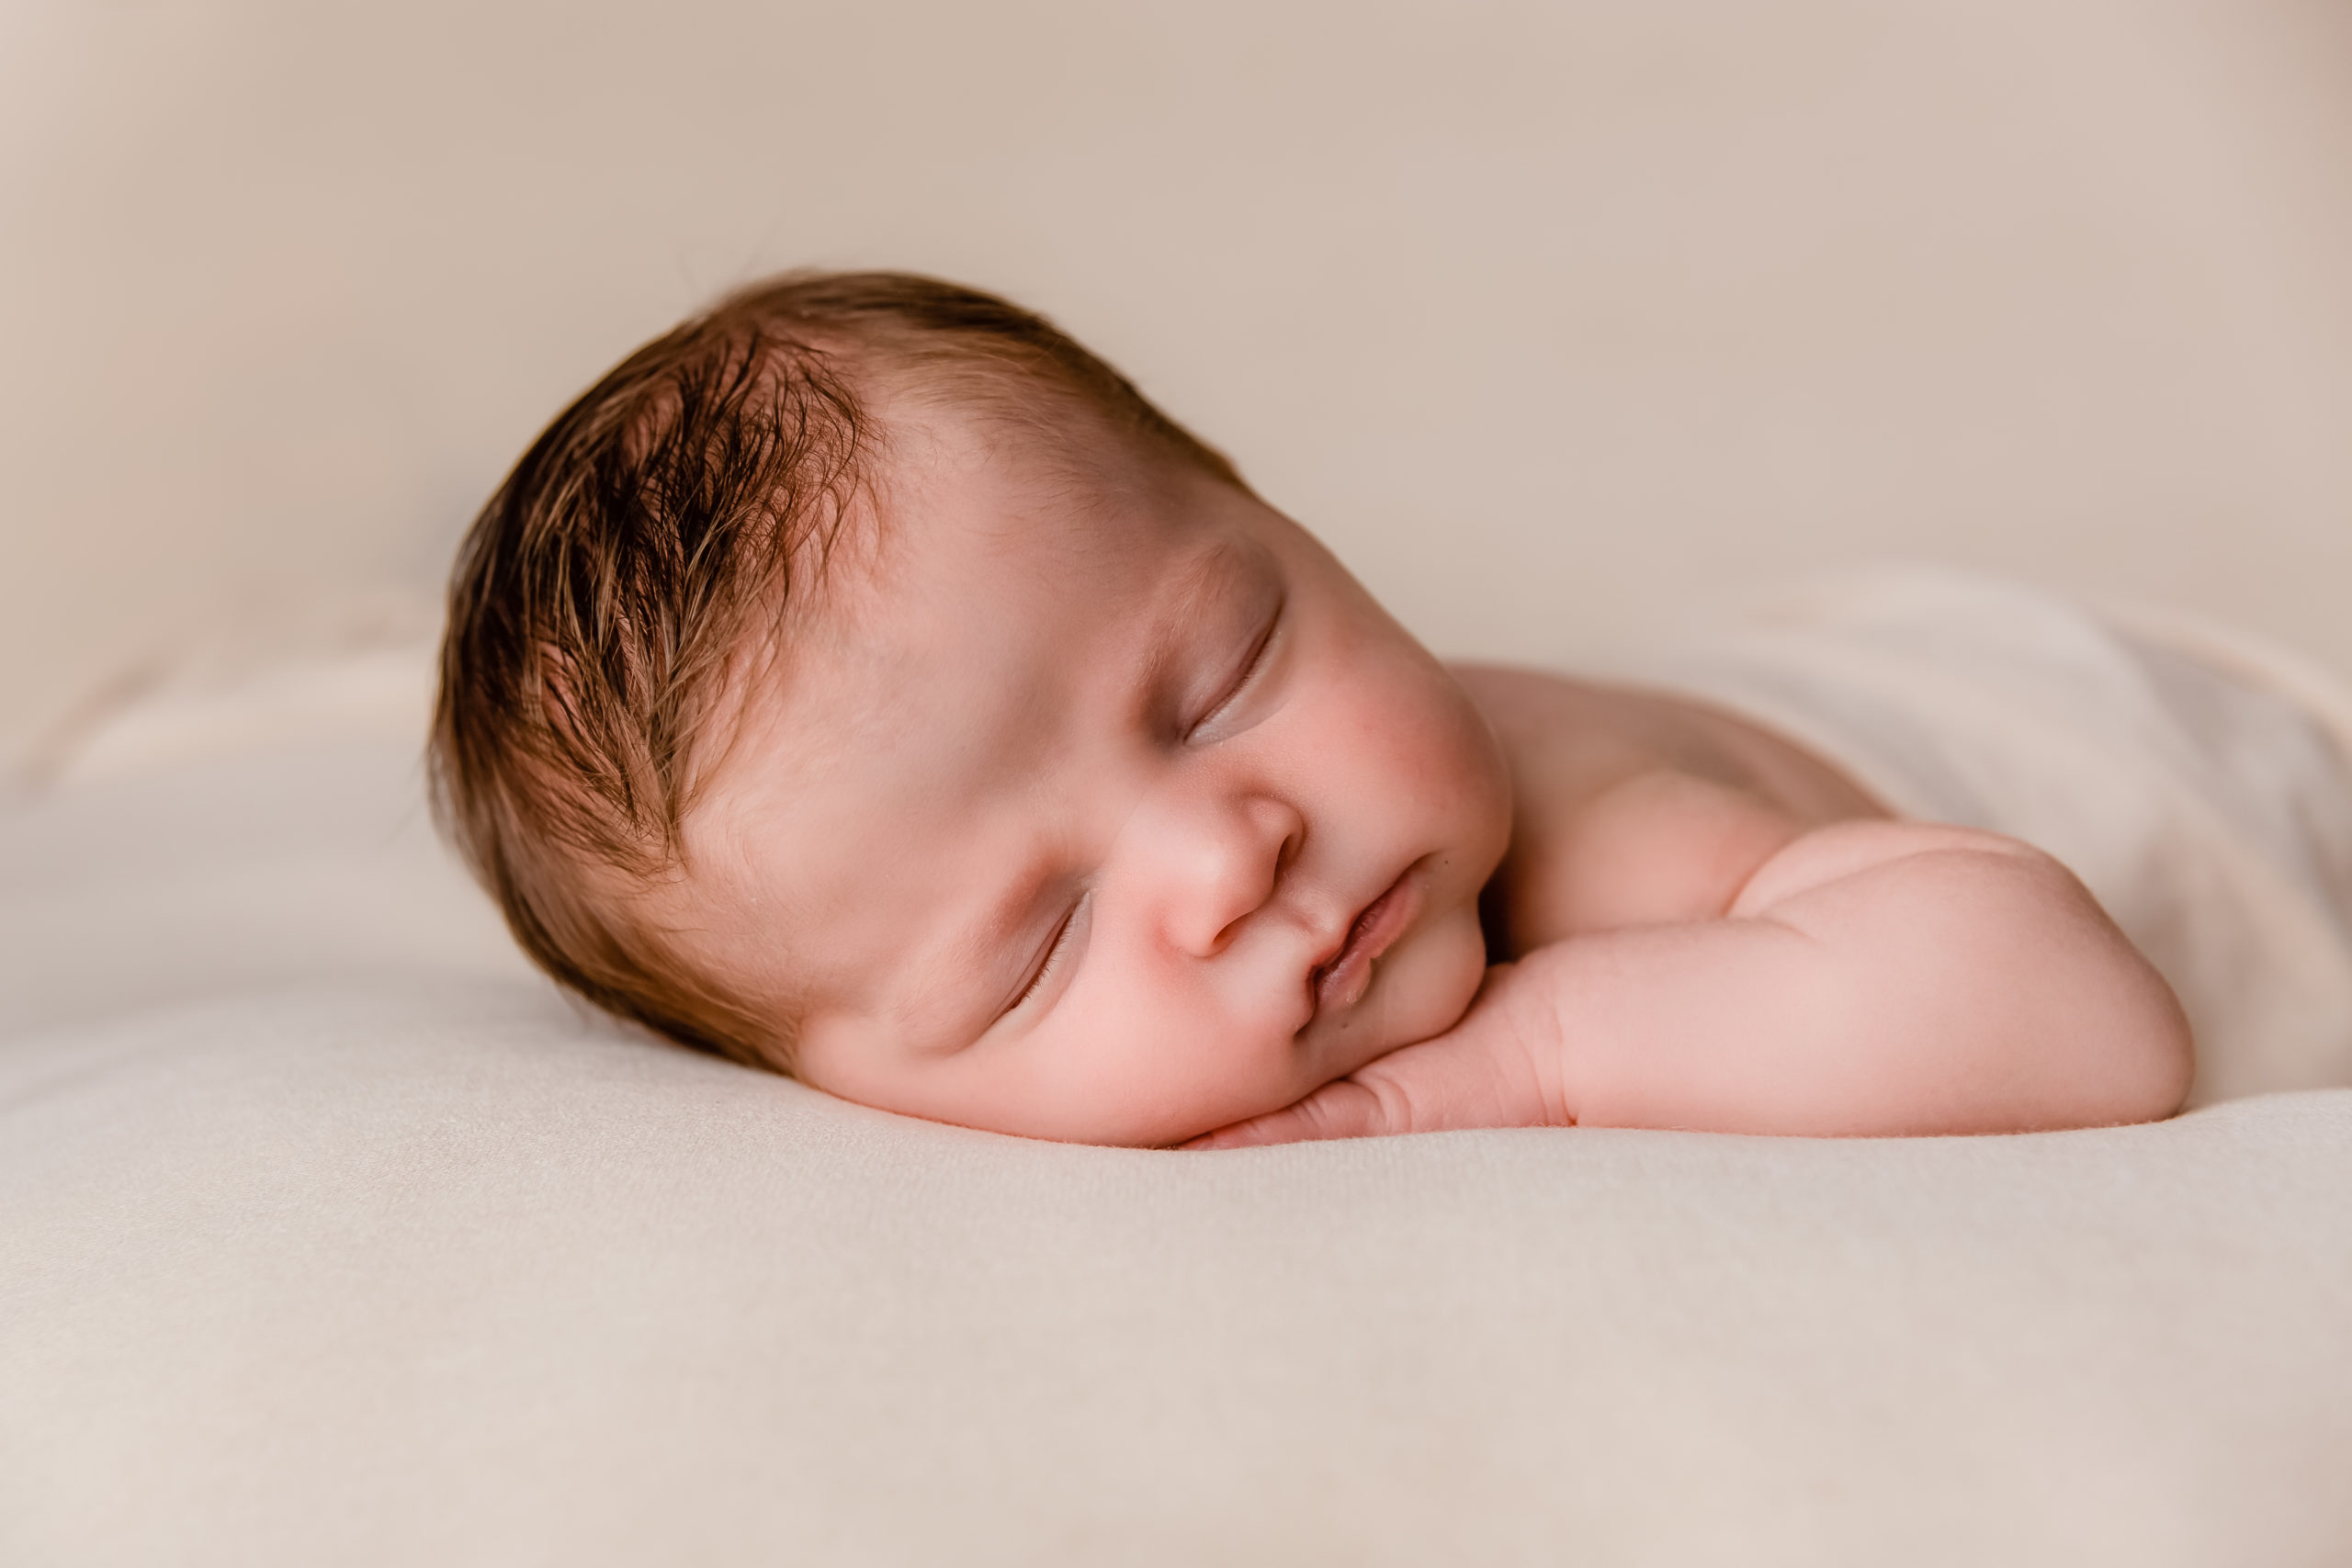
x=614 y=578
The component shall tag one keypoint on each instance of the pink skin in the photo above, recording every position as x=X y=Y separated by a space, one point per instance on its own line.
x=1111 y=812
x=1869 y=977
x=1096 y=802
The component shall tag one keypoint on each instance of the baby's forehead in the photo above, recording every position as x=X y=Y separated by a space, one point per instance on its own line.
x=978 y=539
x=965 y=600
x=884 y=761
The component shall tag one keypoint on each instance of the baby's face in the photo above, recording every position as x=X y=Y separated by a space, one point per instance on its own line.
x=1108 y=813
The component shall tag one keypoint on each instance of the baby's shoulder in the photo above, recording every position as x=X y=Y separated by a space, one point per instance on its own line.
x=1632 y=808
x=1588 y=736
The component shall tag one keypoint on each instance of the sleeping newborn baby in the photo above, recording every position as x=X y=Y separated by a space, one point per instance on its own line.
x=864 y=681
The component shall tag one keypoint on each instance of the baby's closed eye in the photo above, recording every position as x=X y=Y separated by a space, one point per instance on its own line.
x=1047 y=971
x=1215 y=722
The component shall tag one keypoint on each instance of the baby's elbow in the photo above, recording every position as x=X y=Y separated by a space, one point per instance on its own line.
x=2151 y=1056
x=2069 y=1023
x=2129 y=1053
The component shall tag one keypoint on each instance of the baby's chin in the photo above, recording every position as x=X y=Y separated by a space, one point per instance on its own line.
x=1419 y=990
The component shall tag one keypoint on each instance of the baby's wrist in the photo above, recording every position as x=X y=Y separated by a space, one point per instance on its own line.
x=1519 y=1013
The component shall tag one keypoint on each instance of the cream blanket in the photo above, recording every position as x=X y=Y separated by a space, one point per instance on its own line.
x=2197 y=782
x=328 y=1234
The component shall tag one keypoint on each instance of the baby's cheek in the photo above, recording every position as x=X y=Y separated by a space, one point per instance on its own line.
x=1425 y=987
x=1457 y=965
x=1153 y=1065
x=1448 y=771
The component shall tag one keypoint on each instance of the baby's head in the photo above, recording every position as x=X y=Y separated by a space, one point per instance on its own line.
x=865 y=681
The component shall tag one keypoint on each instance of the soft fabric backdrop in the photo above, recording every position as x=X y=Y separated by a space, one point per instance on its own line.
x=328 y=1235
x=1547 y=315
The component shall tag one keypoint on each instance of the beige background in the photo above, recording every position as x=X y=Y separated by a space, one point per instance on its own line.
x=326 y=1239
x=1541 y=313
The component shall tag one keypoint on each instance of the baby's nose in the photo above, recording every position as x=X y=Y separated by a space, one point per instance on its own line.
x=1222 y=865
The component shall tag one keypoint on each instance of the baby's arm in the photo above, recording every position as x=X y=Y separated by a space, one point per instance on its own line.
x=1869 y=977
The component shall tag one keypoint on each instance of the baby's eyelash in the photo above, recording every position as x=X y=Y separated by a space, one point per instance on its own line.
x=1046 y=965
x=1248 y=671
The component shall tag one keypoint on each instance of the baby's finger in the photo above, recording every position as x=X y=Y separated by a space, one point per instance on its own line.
x=1467 y=1079
x=1344 y=1109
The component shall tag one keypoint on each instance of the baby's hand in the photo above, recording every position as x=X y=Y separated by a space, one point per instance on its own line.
x=1497 y=1067
x=1870 y=978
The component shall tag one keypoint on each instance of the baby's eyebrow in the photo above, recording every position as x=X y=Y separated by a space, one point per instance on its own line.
x=1015 y=909
x=1223 y=566
x=1194 y=586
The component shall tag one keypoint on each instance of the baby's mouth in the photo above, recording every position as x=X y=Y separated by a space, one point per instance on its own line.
x=1340 y=980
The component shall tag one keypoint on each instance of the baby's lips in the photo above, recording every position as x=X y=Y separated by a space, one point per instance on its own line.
x=1341 y=982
